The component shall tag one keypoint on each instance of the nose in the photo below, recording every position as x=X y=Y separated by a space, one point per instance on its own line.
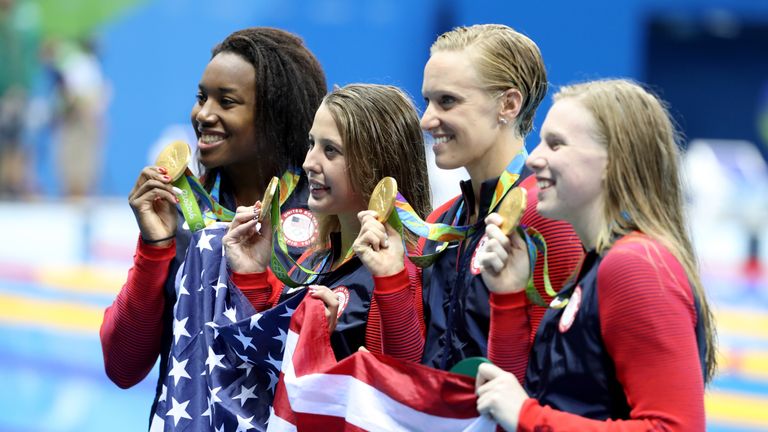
x=536 y=159
x=204 y=114
x=310 y=161
x=429 y=120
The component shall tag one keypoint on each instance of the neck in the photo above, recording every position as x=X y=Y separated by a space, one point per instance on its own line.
x=588 y=226
x=248 y=183
x=350 y=228
x=492 y=164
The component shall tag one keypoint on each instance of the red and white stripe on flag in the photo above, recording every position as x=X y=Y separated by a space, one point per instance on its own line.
x=364 y=392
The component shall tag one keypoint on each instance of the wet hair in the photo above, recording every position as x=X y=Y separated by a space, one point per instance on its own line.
x=643 y=184
x=503 y=59
x=290 y=84
x=380 y=131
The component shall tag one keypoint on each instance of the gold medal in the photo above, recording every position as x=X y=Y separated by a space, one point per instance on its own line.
x=174 y=158
x=383 y=198
x=266 y=199
x=512 y=208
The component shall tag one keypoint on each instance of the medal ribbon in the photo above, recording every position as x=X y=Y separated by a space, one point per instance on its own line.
x=405 y=217
x=191 y=188
x=446 y=233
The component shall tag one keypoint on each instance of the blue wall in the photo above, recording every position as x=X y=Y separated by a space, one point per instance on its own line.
x=155 y=54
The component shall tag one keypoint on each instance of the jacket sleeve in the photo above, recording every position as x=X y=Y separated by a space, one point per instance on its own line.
x=510 y=322
x=259 y=288
x=132 y=328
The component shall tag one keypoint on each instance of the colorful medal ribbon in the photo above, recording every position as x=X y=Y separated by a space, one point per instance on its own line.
x=446 y=233
x=406 y=217
x=536 y=242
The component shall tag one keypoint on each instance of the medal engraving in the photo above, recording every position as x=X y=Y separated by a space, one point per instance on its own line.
x=383 y=198
x=174 y=158
x=512 y=208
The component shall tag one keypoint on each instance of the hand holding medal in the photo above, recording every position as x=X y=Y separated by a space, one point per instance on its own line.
x=379 y=246
x=153 y=200
x=504 y=261
x=248 y=242
x=174 y=159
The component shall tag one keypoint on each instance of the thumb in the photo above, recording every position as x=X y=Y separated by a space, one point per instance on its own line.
x=487 y=372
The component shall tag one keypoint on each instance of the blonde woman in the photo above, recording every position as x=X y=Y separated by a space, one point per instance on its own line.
x=635 y=344
x=482 y=85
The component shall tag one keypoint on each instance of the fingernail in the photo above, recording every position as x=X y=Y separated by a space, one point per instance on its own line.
x=165 y=177
x=386 y=243
x=162 y=170
x=178 y=191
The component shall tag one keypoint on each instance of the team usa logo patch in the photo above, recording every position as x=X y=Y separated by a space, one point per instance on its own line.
x=474 y=266
x=569 y=314
x=342 y=294
x=299 y=227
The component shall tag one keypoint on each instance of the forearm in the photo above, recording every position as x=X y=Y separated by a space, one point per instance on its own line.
x=132 y=329
x=401 y=332
x=258 y=288
x=508 y=341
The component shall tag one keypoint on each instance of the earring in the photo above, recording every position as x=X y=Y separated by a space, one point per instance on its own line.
x=503 y=121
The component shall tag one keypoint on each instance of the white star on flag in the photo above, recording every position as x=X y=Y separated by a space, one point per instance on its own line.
x=213 y=360
x=255 y=321
x=205 y=242
x=231 y=313
x=214 y=394
x=243 y=424
x=219 y=286
x=246 y=341
x=274 y=362
x=179 y=411
x=180 y=329
x=179 y=370
x=245 y=394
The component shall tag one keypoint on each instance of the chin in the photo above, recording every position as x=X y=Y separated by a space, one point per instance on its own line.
x=446 y=164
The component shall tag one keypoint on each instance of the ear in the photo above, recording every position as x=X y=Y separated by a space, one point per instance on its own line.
x=511 y=104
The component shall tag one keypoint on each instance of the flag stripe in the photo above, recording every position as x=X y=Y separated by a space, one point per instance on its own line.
x=364 y=392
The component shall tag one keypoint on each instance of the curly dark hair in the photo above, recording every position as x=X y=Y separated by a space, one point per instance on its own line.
x=290 y=85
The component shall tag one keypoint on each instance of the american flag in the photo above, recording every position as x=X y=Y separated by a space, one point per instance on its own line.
x=226 y=358
x=364 y=392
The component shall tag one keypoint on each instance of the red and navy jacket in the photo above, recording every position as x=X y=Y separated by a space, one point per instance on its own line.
x=456 y=300
x=627 y=347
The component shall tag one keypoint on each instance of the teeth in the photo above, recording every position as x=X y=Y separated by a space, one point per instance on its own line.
x=210 y=139
x=442 y=139
x=543 y=183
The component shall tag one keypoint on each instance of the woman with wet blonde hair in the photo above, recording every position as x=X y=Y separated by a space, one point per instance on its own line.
x=637 y=315
x=482 y=85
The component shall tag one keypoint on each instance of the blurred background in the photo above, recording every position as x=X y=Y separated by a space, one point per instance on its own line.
x=90 y=90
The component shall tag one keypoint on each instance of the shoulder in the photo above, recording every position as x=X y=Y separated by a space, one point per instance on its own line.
x=638 y=250
x=638 y=265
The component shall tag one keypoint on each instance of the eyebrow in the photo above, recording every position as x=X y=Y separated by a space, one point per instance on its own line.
x=552 y=135
x=331 y=142
x=224 y=90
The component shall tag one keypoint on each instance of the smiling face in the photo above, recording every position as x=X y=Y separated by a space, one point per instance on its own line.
x=570 y=165
x=223 y=116
x=461 y=116
x=331 y=191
